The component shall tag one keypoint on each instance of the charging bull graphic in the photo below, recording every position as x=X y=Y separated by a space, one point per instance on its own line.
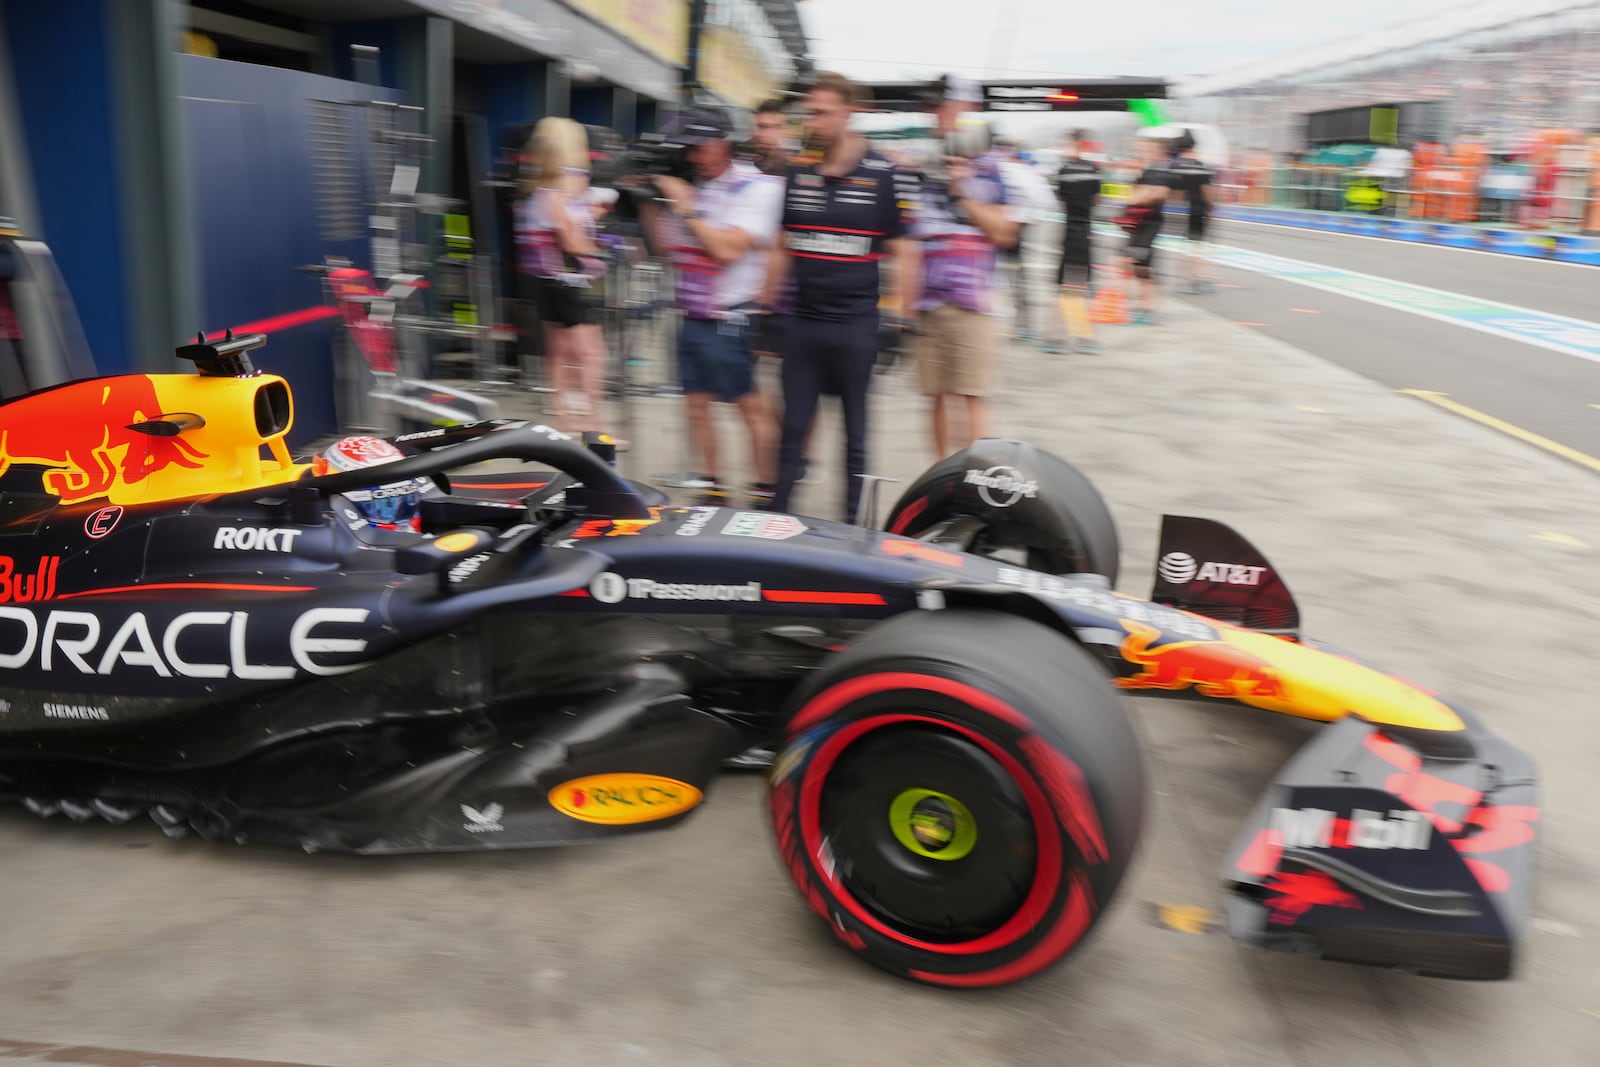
x=1268 y=672
x=82 y=432
x=1213 y=668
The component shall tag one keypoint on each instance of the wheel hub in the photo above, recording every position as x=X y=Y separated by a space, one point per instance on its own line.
x=928 y=833
x=933 y=825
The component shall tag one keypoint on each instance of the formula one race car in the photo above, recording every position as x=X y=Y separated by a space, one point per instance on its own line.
x=396 y=648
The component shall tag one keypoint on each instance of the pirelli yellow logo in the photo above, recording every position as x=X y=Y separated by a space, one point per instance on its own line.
x=616 y=799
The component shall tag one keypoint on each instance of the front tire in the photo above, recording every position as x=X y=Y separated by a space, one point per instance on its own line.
x=959 y=795
x=1031 y=507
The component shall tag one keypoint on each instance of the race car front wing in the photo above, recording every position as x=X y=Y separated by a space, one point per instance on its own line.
x=1365 y=851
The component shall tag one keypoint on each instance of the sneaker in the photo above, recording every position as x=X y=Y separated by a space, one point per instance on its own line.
x=1206 y=285
x=1088 y=348
x=762 y=495
x=1142 y=317
x=715 y=497
x=696 y=481
x=1052 y=348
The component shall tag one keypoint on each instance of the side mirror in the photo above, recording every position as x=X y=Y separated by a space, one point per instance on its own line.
x=444 y=551
x=602 y=445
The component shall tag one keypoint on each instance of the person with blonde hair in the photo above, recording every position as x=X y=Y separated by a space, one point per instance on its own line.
x=556 y=244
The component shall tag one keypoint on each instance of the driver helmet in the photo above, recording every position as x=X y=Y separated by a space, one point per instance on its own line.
x=390 y=506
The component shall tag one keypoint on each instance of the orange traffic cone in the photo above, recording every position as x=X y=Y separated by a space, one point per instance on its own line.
x=1110 y=306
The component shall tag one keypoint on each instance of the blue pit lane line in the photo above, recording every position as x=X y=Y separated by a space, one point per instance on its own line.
x=1558 y=333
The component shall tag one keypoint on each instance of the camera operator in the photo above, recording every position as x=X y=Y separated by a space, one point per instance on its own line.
x=966 y=214
x=844 y=207
x=718 y=231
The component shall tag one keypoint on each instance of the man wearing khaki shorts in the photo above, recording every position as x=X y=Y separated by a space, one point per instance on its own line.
x=962 y=218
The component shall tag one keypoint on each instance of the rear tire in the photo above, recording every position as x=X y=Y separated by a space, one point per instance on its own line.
x=1052 y=519
x=958 y=795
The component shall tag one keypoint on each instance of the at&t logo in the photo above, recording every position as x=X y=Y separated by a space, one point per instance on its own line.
x=1178 y=568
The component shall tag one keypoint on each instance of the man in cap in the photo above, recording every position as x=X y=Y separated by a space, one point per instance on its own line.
x=719 y=230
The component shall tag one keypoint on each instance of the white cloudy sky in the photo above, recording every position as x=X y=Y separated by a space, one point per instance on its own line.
x=890 y=39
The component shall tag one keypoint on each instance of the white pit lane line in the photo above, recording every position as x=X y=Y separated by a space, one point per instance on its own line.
x=1542 y=329
x=1557 y=333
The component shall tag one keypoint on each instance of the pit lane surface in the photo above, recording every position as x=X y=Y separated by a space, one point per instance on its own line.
x=1407 y=534
x=1434 y=340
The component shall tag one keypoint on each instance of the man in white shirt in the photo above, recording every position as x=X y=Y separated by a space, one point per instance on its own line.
x=1030 y=200
x=720 y=231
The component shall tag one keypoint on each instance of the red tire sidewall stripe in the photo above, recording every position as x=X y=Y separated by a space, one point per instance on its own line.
x=1068 y=931
x=1047 y=876
x=850 y=690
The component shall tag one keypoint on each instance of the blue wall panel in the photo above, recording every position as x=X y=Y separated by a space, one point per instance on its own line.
x=60 y=62
x=249 y=132
x=510 y=95
x=591 y=105
x=382 y=34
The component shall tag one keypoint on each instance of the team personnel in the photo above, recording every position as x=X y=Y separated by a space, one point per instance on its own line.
x=965 y=215
x=719 y=231
x=1078 y=188
x=1010 y=264
x=844 y=209
x=557 y=248
x=1141 y=220
x=1188 y=173
x=774 y=143
x=771 y=139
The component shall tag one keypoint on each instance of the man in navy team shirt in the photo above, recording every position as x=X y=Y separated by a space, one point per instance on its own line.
x=844 y=211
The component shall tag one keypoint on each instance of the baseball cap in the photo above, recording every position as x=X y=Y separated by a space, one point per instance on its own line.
x=704 y=124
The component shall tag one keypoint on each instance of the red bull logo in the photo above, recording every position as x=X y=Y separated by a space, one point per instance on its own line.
x=25 y=585
x=81 y=433
x=1211 y=668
